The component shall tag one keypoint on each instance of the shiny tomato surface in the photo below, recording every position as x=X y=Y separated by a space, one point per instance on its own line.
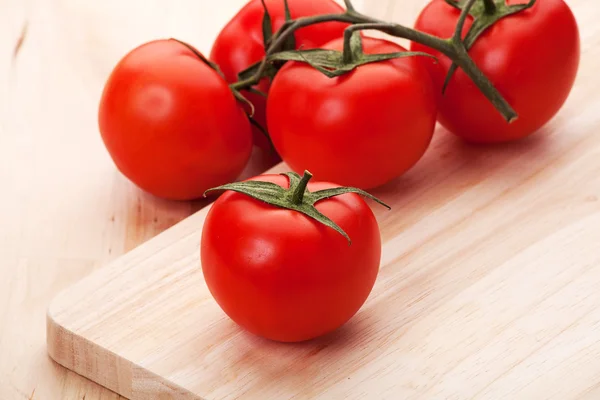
x=171 y=124
x=531 y=57
x=361 y=129
x=282 y=275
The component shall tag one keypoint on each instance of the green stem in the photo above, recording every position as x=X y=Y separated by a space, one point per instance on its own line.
x=484 y=84
x=453 y=48
x=347 y=54
x=298 y=194
x=402 y=32
x=279 y=39
x=380 y=26
x=349 y=6
x=462 y=19
x=490 y=7
x=353 y=49
x=460 y=57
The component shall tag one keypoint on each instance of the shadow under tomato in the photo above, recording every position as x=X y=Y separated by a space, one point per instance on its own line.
x=451 y=159
x=339 y=336
x=298 y=364
x=531 y=143
x=147 y=215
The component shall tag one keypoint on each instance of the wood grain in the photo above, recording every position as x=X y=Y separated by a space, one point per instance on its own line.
x=65 y=212
x=487 y=289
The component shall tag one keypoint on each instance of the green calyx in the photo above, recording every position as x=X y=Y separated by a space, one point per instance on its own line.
x=333 y=63
x=485 y=13
x=267 y=31
x=297 y=197
x=267 y=28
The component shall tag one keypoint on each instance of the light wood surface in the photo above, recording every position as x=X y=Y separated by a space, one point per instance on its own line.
x=64 y=210
x=488 y=287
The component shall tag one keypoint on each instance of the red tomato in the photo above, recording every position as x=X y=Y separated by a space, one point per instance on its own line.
x=362 y=129
x=531 y=57
x=282 y=275
x=240 y=44
x=171 y=123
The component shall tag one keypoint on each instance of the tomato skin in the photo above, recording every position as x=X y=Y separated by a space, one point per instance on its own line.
x=283 y=276
x=240 y=44
x=362 y=129
x=531 y=57
x=171 y=124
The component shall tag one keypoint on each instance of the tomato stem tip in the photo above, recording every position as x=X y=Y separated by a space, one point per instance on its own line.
x=298 y=194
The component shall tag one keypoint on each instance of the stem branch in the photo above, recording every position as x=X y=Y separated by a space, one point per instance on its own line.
x=453 y=48
x=467 y=64
x=347 y=54
x=279 y=39
x=298 y=194
x=462 y=19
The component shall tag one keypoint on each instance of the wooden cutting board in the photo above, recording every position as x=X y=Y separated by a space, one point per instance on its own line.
x=488 y=288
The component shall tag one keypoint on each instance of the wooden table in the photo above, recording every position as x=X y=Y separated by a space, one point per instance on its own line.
x=65 y=209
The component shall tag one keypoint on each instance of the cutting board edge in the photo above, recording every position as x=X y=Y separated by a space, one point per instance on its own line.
x=63 y=343
x=129 y=380
x=60 y=342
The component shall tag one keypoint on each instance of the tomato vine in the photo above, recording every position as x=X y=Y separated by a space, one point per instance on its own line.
x=454 y=47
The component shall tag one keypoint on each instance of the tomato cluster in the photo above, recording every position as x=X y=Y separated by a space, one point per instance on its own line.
x=240 y=44
x=296 y=80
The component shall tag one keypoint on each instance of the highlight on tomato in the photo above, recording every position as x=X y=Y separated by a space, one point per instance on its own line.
x=363 y=127
x=287 y=259
x=241 y=43
x=171 y=123
x=530 y=51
